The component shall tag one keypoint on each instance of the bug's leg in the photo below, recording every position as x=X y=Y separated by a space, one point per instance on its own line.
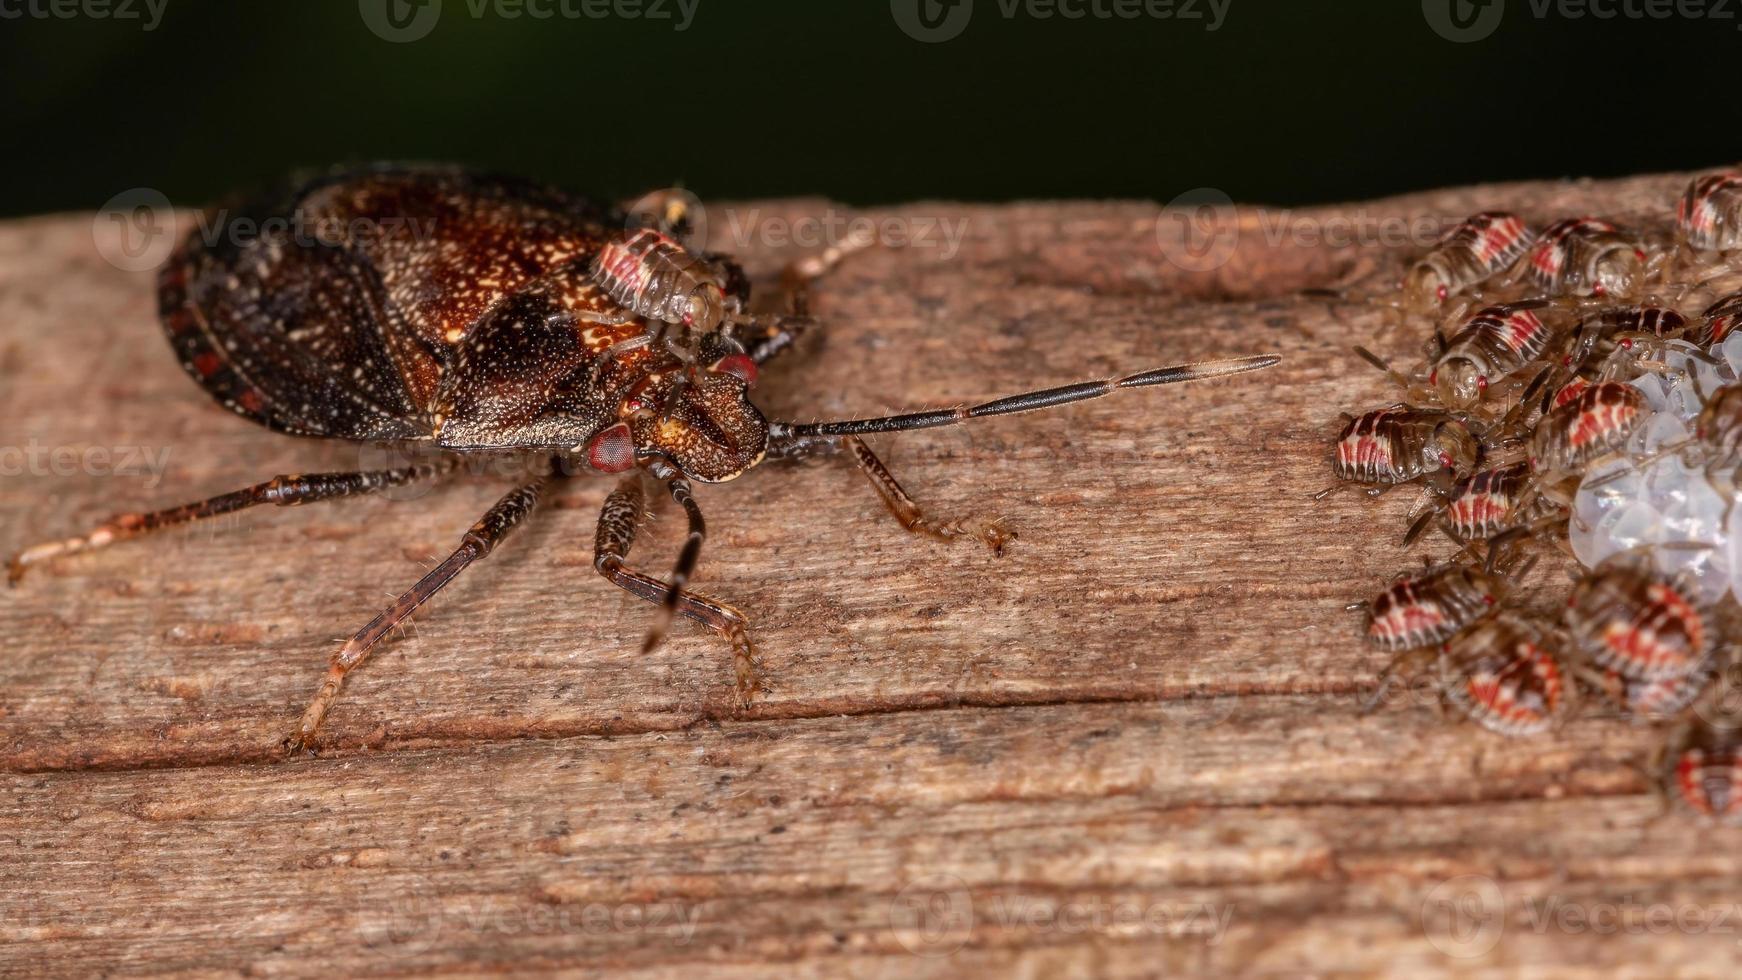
x=796 y=278
x=996 y=533
x=618 y=521
x=765 y=337
x=475 y=544
x=285 y=491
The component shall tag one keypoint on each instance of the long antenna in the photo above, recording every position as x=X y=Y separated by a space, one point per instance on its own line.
x=1025 y=402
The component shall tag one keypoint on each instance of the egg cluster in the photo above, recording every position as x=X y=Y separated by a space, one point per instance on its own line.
x=1659 y=495
x=1582 y=392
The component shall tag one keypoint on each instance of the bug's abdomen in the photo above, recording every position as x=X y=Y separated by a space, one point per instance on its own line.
x=1499 y=339
x=655 y=277
x=1709 y=214
x=1719 y=427
x=1482 y=245
x=1385 y=446
x=1707 y=773
x=1583 y=257
x=1419 y=612
x=1595 y=421
x=1642 y=628
x=286 y=339
x=1506 y=677
x=1483 y=504
x=1719 y=320
x=334 y=307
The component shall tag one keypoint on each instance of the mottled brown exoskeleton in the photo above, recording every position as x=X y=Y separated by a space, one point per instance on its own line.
x=1589 y=257
x=1708 y=216
x=1626 y=617
x=1391 y=446
x=1485 y=504
x=522 y=320
x=1700 y=765
x=1478 y=249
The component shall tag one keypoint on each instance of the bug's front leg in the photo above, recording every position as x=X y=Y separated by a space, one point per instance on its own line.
x=477 y=542
x=619 y=520
x=996 y=533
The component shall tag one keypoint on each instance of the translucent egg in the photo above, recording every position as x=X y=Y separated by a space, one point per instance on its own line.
x=1731 y=351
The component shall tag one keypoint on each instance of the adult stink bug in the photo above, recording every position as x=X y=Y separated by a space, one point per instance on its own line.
x=523 y=320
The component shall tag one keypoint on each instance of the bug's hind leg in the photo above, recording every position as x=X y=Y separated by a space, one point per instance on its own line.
x=285 y=491
x=477 y=542
x=766 y=336
x=996 y=533
x=618 y=521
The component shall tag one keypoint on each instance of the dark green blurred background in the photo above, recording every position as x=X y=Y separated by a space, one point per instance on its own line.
x=1288 y=102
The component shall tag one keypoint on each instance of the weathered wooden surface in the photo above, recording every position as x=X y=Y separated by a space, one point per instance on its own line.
x=1129 y=747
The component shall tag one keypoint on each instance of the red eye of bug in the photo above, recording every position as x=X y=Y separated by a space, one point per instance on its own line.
x=1598 y=290
x=739 y=365
x=612 y=450
x=1446 y=459
x=1626 y=343
x=1487 y=599
x=1567 y=361
x=1482 y=382
x=1639 y=253
x=1433 y=377
x=1441 y=293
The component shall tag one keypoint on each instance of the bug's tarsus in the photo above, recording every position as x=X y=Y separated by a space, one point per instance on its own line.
x=286 y=491
x=477 y=542
x=1026 y=402
x=996 y=533
x=619 y=520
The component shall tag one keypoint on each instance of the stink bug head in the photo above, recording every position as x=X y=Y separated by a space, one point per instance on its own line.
x=1424 y=288
x=1460 y=382
x=1453 y=448
x=710 y=431
x=1618 y=271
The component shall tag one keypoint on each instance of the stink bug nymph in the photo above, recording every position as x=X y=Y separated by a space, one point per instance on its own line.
x=526 y=321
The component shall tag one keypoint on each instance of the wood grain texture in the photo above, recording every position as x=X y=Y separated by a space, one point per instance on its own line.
x=1128 y=747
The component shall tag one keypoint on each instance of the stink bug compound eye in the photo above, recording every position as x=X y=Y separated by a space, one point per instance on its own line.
x=538 y=324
